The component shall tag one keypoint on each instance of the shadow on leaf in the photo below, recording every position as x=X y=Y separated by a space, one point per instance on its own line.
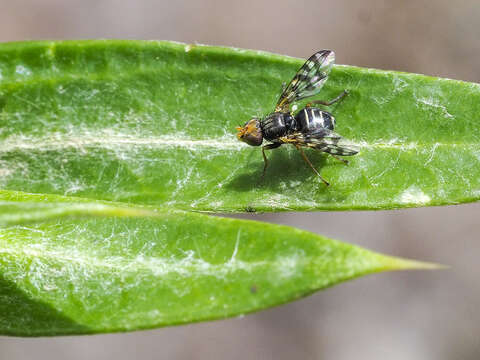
x=23 y=316
x=284 y=165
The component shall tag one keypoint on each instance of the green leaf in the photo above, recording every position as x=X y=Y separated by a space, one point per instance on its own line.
x=154 y=123
x=150 y=125
x=104 y=267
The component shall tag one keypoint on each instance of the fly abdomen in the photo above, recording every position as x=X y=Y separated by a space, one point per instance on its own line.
x=312 y=118
x=276 y=125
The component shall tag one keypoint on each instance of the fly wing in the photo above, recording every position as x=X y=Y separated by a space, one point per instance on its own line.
x=308 y=80
x=321 y=139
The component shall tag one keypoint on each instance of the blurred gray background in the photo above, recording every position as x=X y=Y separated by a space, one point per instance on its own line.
x=412 y=315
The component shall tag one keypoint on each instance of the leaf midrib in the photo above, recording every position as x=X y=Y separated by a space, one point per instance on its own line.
x=156 y=265
x=108 y=140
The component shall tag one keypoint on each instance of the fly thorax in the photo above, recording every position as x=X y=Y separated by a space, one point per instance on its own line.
x=276 y=125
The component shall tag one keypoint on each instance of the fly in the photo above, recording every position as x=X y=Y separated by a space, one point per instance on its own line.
x=311 y=127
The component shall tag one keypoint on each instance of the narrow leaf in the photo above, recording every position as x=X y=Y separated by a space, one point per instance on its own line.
x=107 y=267
x=154 y=123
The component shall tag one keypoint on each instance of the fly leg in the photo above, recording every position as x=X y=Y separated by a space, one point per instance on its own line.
x=265 y=160
x=310 y=164
x=340 y=159
x=328 y=103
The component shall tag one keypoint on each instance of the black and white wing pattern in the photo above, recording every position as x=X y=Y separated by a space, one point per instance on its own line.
x=323 y=139
x=308 y=80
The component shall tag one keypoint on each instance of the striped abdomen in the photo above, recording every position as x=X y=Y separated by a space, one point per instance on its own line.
x=310 y=119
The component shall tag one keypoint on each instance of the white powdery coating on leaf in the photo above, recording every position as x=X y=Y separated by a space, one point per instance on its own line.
x=22 y=70
x=393 y=143
x=432 y=102
x=413 y=195
x=59 y=264
x=5 y=172
x=111 y=140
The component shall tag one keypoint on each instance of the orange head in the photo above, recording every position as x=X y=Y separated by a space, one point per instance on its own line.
x=251 y=133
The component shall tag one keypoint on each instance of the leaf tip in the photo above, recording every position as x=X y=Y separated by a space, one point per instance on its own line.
x=397 y=264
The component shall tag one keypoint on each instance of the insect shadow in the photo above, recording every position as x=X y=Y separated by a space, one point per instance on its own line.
x=285 y=167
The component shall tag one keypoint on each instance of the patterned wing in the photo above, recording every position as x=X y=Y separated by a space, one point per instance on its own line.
x=308 y=80
x=322 y=139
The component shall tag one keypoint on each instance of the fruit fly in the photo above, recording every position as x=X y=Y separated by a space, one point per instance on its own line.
x=311 y=127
